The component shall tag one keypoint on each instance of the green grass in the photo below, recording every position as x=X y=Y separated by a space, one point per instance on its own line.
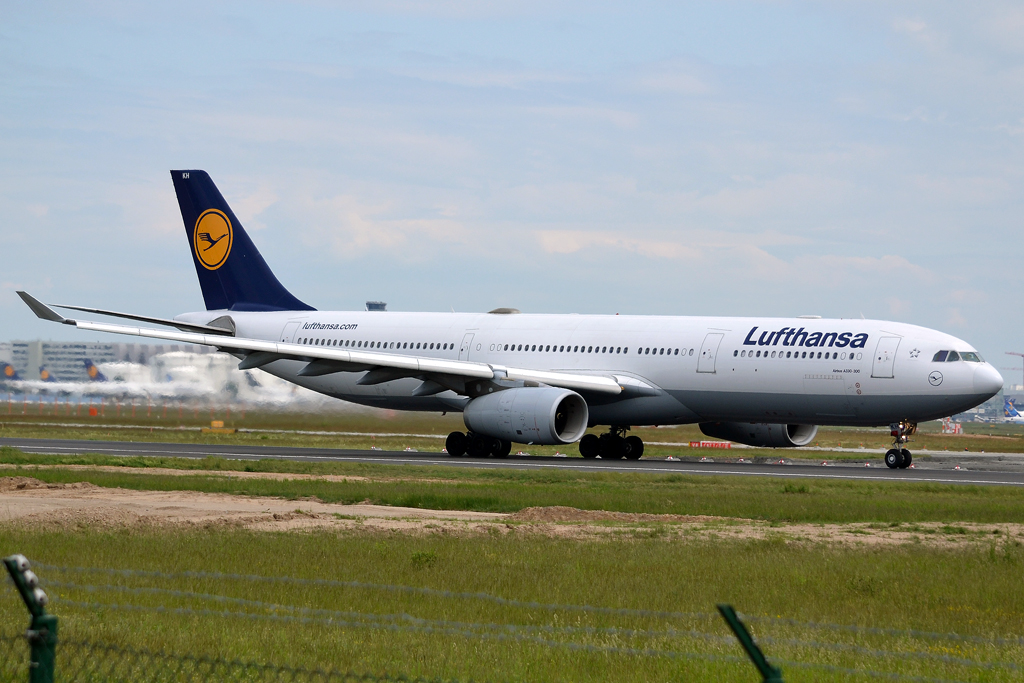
x=450 y=488
x=911 y=587
x=171 y=427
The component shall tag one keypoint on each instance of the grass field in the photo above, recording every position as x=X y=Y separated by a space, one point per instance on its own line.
x=972 y=592
x=970 y=587
x=447 y=488
x=390 y=430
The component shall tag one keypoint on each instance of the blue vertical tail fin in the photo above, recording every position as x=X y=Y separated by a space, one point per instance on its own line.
x=1009 y=409
x=232 y=273
x=94 y=372
x=8 y=373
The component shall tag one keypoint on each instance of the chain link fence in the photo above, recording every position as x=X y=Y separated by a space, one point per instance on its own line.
x=819 y=649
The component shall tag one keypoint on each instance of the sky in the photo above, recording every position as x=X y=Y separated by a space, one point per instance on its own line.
x=843 y=159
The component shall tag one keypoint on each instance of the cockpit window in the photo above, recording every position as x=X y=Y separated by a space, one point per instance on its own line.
x=953 y=356
x=970 y=356
x=939 y=357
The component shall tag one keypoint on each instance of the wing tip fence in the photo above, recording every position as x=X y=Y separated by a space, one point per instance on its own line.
x=85 y=660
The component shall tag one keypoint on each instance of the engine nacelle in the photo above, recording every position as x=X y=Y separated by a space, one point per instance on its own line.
x=761 y=434
x=538 y=415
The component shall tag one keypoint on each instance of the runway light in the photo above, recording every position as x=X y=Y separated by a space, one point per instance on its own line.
x=824 y=463
x=40 y=597
x=31 y=580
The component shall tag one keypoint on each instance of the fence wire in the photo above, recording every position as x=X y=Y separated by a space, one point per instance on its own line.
x=88 y=662
x=828 y=643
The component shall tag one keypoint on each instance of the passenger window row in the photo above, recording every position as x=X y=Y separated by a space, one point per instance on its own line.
x=834 y=355
x=549 y=348
x=953 y=356
x=423 y=346
x=555 y=348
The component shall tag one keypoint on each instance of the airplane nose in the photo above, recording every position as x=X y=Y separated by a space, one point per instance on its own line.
x=987 y=380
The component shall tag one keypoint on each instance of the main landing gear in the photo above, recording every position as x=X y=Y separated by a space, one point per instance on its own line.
x=612 y=446
x=476 y=446
x=898 y=456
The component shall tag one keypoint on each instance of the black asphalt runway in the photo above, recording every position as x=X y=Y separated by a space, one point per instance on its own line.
x=837 y=471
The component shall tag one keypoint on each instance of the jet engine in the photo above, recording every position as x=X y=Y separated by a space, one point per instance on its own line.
x=761 y=434
x=537 y=415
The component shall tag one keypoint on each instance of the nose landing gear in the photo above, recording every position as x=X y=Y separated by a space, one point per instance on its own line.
x=612 y=446
x=898 y=456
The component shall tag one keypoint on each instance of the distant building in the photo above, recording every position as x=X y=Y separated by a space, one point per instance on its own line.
x=64 y=360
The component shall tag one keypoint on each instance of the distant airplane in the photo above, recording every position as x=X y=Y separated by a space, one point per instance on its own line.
x=45 y=374
x=544 y=379
x=1010 y=413
x=94 y=372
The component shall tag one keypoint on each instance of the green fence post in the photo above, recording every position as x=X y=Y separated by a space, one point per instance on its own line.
x=42 y=630
x=769 y=673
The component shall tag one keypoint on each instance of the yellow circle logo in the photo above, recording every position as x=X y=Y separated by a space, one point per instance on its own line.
x=93 y=371
x=212 y=239
x=9 y=371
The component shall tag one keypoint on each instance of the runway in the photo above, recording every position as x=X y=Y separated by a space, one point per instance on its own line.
x=852 y=471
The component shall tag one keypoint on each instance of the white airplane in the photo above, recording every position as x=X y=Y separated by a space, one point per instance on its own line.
x=544 y=379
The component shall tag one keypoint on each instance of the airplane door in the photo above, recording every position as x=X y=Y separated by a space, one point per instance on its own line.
x=467 y=342
x=288 y=333
x=885 y=354
x=709 y=351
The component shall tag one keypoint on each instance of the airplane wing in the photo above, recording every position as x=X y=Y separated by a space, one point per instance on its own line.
x=382 y=367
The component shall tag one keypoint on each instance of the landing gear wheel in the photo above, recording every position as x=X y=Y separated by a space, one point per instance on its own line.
x=612 y=447
x=907 y=459
x=634 y=447
x=479 y=446
x=506 y=448
x=455 y=444
x=590 y=446
x=893 y=458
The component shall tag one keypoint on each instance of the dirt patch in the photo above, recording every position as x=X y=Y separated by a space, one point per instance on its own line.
x=30 y=483
x=29 y=501
x=227 y=474
x=558 y=513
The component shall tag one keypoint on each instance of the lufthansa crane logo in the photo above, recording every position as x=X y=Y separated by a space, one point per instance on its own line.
x=93 y=371
x=212 y=239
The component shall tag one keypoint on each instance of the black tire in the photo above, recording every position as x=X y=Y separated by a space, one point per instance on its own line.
x=893 y=458
x=907 y=459
x=506 y=448
x=590 y=446
x=494 y=447
x=634 y=447
x=478 y=447
x=612 y=447
x=618 y=447
x=455 y=444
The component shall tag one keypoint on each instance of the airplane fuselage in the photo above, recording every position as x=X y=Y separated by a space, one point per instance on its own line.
x=673 y=370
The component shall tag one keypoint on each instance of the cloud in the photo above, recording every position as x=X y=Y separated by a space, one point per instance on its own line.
x=349 y=228
x=571 y=241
